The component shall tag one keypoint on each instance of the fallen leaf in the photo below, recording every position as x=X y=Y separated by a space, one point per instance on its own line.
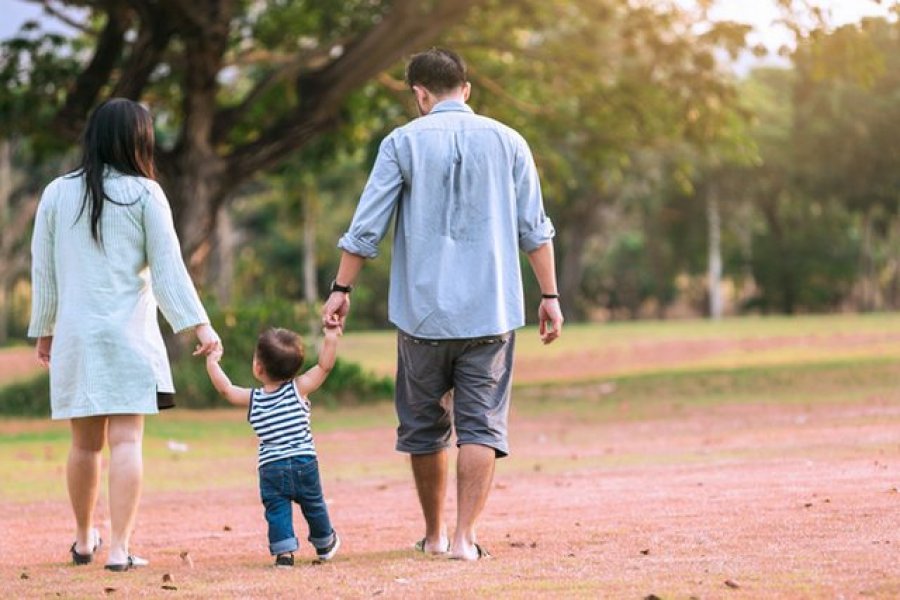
x=167 y=578
x=807 y=505
x=732 y=584
x=645 y=551
x=109 y=590
x=226 y=528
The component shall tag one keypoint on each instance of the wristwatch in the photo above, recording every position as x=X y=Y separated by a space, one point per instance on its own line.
x=336 y=287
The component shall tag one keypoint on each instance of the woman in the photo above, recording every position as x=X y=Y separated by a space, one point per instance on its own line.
x=104 y=252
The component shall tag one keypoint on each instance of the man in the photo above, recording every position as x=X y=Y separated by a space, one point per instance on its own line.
x=467 y=197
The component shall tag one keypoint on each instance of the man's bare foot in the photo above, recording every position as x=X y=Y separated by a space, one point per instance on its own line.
x=439 y=547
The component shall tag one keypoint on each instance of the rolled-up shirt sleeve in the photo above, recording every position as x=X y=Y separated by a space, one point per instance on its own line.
x=376 y=205
x=43 y=269
x=535 y=227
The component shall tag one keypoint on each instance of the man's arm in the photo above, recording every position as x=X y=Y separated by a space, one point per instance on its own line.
x=316 y=376
x=550 y=315
x=369 y=226
x=236 y=395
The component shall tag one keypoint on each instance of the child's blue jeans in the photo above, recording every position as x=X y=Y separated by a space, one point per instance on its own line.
x=294 y=479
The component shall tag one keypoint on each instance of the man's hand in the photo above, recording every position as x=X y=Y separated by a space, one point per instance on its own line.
x=335 y=310
x=551 y=320
x=43 y=350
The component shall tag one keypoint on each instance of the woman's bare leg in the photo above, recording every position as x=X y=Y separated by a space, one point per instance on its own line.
x=126 y=472
x=83 y=476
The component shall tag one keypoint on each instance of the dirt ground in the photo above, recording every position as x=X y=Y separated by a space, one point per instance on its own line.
x=741 y=501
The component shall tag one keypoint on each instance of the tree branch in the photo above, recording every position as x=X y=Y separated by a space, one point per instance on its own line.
x=146 y=52
x=59 y=15
x=409 y=25
x=83 y=94
x=290 y=68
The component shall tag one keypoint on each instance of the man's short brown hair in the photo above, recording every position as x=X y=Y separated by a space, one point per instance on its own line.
x=438 y=70
x=280 y=353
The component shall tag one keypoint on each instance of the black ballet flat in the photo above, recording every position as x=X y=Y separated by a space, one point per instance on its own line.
x=86 y=559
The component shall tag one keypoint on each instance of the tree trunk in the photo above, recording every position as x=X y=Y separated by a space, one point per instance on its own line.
x=226 y=243
x=6 y=187
x=581 y=225
x=866 y=270
x=714 y=272
x=310 y=280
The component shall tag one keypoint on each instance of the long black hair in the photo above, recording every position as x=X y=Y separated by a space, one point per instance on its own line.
x=119 y=134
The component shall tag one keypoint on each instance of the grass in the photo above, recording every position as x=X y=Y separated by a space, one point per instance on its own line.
x=659 y=406
x=217 y=440
x=654 y=346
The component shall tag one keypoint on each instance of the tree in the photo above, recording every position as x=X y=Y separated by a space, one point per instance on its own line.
x=592 y=84
x=239 y=84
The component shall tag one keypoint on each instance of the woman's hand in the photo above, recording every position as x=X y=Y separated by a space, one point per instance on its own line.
x=207 y=338
x=43 y=350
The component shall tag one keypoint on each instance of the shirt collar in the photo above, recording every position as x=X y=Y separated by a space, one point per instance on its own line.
x=450 y=106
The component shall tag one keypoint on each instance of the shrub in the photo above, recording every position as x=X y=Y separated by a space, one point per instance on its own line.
x=347 y=384
x=26 y=398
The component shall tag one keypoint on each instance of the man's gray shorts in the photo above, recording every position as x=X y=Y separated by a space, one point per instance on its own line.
x=478 y=370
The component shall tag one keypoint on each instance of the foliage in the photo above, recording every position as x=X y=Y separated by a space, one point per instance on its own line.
x=26 y=398
x=347 y=383
x=239 y=327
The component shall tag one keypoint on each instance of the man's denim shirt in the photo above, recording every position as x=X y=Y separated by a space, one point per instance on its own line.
x=467 y=197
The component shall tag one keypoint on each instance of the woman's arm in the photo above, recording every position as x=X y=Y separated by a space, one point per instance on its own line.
x=43 y=271
x=172 y=285
x=316 y=376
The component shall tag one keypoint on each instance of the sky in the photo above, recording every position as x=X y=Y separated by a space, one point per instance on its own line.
x=759 y=13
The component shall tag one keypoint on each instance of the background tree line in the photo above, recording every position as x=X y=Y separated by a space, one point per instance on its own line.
x=677 y=186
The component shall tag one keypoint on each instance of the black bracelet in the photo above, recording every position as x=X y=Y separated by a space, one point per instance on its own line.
x=550 y=296
x=336 y=287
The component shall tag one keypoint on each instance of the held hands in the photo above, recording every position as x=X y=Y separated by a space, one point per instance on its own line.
x=335 y=310
x=551 y=320
x=207 y=340
x=43 y=350
x=215 y=355
x=333 y=331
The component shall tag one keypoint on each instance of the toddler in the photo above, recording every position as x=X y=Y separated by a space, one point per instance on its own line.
x=278 y=411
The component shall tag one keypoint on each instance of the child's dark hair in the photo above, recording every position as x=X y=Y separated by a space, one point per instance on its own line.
x=280 y=353
x=438 y=70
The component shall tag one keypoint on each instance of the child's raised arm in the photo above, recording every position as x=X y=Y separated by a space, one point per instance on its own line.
x=234 y=394
x=316 y=376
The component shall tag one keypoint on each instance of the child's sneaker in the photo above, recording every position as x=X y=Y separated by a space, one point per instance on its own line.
x=283 y=561
x=328 y=552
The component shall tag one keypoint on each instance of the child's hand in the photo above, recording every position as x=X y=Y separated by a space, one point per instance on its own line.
x=333 y=331
x=215 y=355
